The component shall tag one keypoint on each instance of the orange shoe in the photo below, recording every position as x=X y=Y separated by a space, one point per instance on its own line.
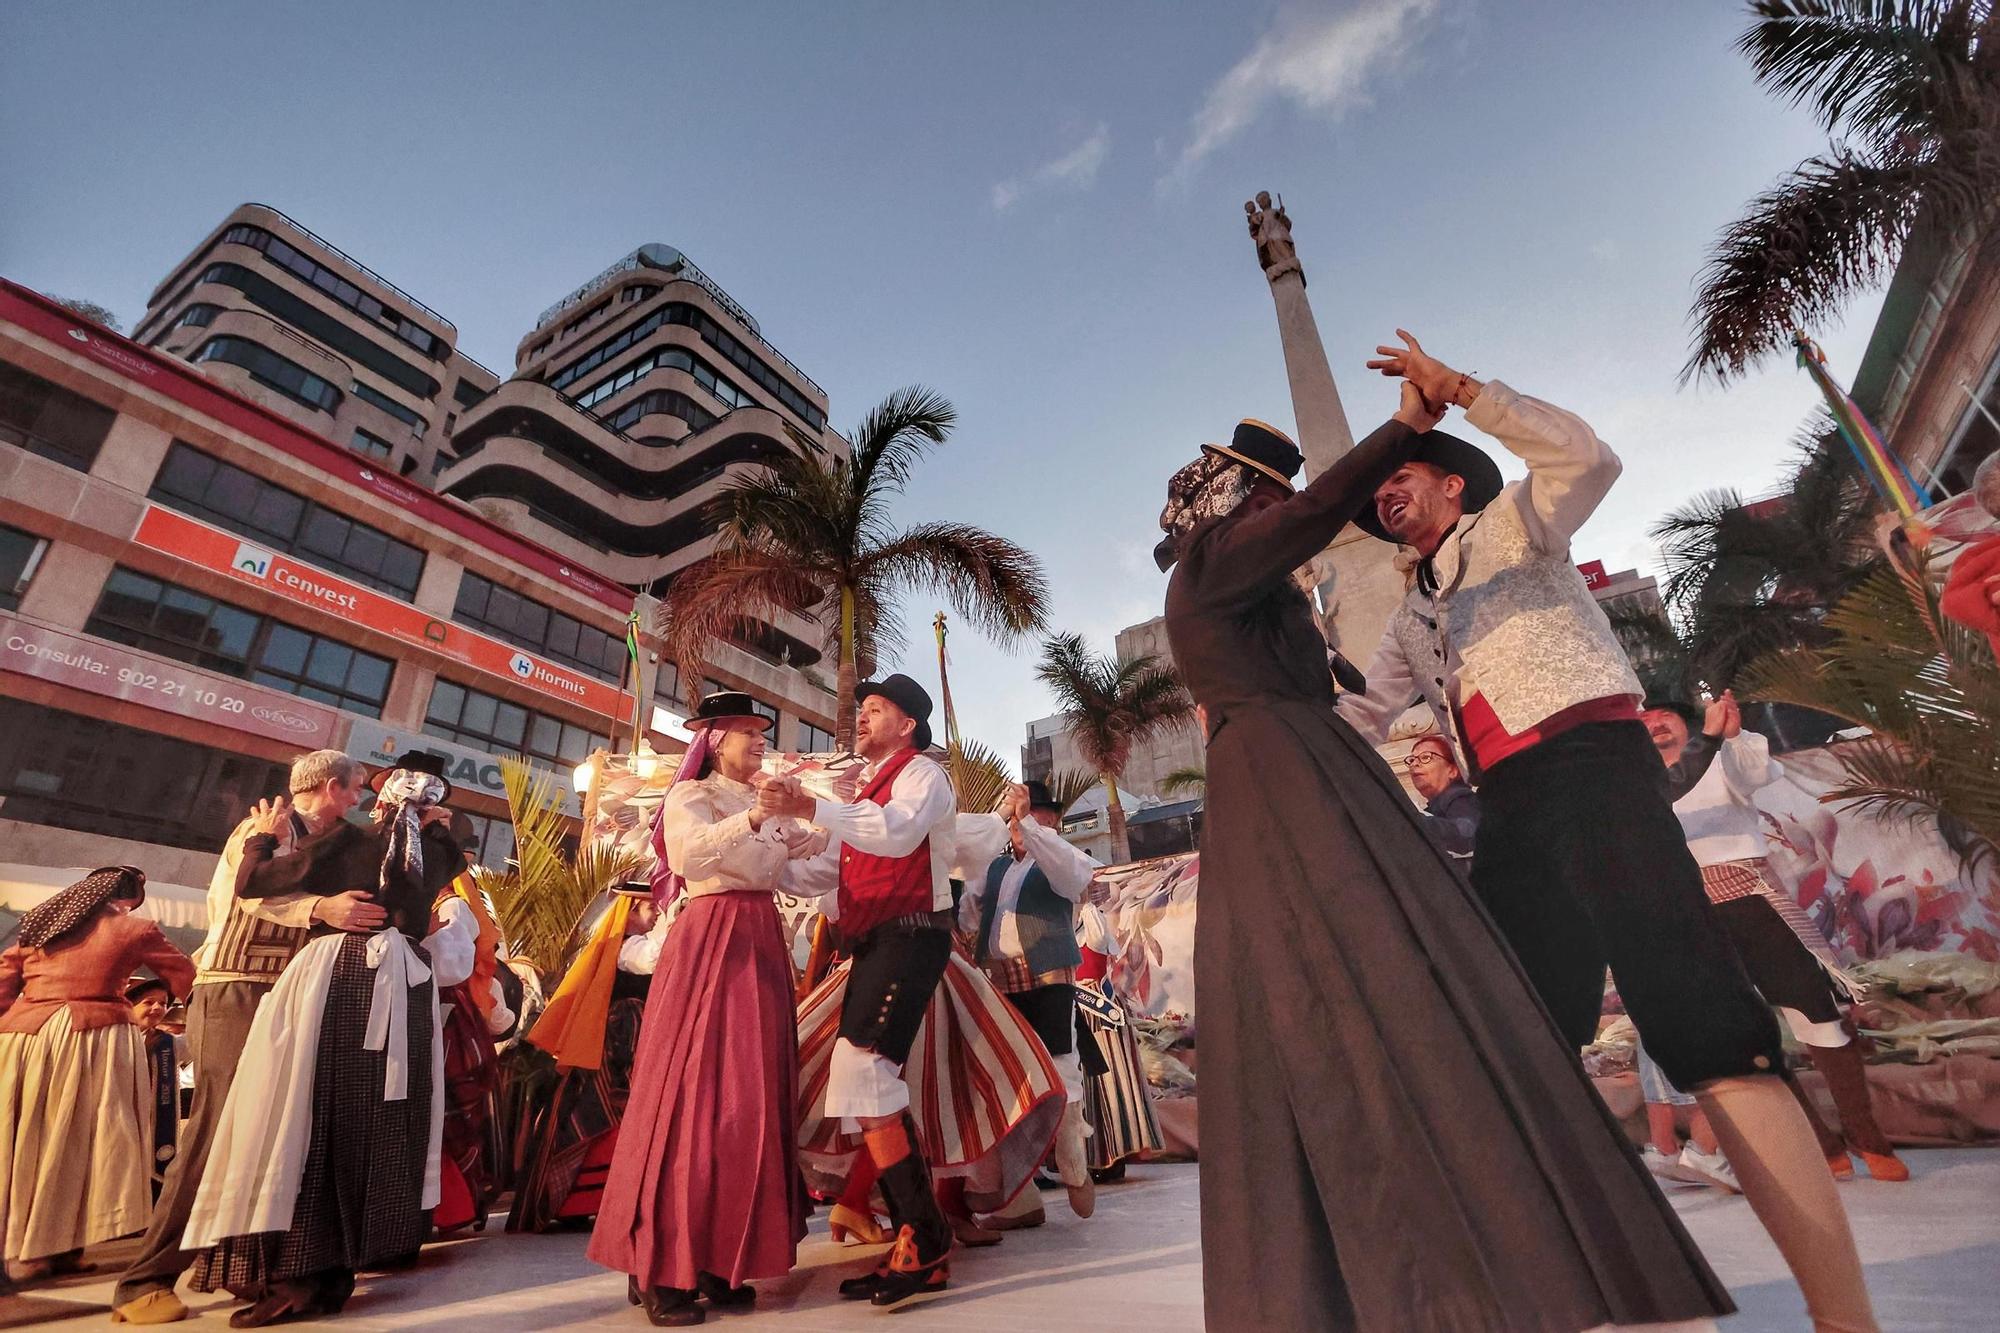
x=1885 y=1166
x=1841 y=1165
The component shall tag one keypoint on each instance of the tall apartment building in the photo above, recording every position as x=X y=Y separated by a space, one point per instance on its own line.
x=205 y=567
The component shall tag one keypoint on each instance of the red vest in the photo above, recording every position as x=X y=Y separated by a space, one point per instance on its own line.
x=874 y=889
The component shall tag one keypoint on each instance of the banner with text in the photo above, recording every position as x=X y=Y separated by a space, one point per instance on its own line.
x=467 y=769
x=31 y=649
x=297 y=581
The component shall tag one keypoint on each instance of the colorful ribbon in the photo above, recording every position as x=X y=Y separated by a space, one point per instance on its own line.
x=1885 y=472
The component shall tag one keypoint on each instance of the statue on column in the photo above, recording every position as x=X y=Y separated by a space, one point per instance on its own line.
x=1271 y=229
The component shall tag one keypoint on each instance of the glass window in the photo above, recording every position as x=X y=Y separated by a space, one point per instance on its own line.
x=495 y=725
x=506 y=614
x=72 y=771
x=814 y=740
x=446 y=701
x=395 y=409
x=20 y=553
x=230 y=497
x=189 y=626
x=271 y=370
x=372 y=445
x=343 y=291
x=50 y=421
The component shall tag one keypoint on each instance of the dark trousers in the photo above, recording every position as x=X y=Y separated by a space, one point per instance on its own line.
x=1582 y=863
x=219 y=1015
x=896 y=969
x=1051 y=1012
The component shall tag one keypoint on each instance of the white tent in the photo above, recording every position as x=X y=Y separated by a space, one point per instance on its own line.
x=181 y=911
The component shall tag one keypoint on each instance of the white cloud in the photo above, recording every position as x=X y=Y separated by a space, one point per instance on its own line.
x=1320 y=62
x=1076 y=170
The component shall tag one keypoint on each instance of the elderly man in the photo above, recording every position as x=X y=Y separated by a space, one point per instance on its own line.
x=248 y=945
x=1579 y=856
x=890 y=858
x=1452 y=804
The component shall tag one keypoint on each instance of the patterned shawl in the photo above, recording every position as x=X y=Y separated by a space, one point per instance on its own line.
x=79 y=902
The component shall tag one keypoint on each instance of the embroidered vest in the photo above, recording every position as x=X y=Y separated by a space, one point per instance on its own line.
x=1044 y=919
x=252 y=948
x=874 y=889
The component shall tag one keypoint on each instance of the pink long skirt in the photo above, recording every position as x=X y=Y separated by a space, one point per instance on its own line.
x=705 y=1177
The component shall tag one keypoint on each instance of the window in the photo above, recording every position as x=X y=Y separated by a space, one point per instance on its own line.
x=391 y=406
x=20 y=553
x=189 y=626
x=814 y=741
x=741 y=357
x=505 y=614
x=672 y=402
x=495 y=837
x=229 y=497
x=271 y=370
x=340 y=289
x=499 y=727
x=633 y=295
x=469 y=394
x=669 y=358
x=198 y=316
x=50 y=421
x=372 y=445
x=309 y=319
x=68 y=770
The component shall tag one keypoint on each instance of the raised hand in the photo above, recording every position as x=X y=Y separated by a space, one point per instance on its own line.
x=268 y=816
x=1732 y=725
x=1418 y=412
x=1440 y=385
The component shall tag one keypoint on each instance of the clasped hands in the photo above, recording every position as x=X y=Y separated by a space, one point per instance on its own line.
x=1429 y=385
x=782 y=796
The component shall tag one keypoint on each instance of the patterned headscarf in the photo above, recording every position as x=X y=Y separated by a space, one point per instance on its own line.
x=404 y=797
x=1207 y=488
x=79 y=902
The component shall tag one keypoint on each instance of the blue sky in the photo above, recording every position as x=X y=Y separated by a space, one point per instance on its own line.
x=1034 y=208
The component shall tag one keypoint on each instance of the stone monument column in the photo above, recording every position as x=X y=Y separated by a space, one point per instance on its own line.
x=1356 y=583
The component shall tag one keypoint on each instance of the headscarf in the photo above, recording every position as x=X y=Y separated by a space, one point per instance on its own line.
x=405 y=795
x=667 y=882
x=1207 y=488
x=79 y=902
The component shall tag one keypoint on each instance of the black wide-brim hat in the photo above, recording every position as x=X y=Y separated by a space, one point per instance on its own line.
x=724 y=705
x=1693 y=716
x=138 y=985
x=907 y=695
x=1460 y=458
x=1264 y=449
x=417 y=761
x=1040 y=799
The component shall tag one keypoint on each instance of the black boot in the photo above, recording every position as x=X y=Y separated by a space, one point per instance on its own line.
x=919 y=1263
x=719 y=1294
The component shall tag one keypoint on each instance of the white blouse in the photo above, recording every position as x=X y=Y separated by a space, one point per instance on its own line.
x=706 y=824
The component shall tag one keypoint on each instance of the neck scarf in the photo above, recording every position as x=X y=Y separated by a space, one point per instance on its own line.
x=405 y=795
x=1207 y=488
x=78 y=903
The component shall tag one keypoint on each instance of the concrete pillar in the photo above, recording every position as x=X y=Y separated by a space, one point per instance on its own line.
x=409 y=695
x=132 y=454
x=437 y=590
x=1322 y=422
x=65 y=587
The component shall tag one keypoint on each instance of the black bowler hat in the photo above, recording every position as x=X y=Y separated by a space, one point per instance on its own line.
x=724 y=705
x=416 y=761
x=1263 y=449
x=1457 y=458
x=1039 y=798
x=907 y=695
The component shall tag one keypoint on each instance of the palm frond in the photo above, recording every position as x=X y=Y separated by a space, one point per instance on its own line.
x=1194 y=777
x=897 y=432
x=1831 y=228
x=729 y=596
x=1067 y=786
x=1110 y=705
x=1881 y=70
x=979 y=775
x=995 y=585
x=541 y=903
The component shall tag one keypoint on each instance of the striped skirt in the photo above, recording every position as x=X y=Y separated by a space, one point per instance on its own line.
x=1118 y=1103
x=986 y=1100
x=76 y=1137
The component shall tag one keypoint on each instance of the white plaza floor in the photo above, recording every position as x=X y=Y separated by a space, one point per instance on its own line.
x=1932 y=1248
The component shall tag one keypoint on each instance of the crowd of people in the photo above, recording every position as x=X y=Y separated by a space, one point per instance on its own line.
x=342 y=1021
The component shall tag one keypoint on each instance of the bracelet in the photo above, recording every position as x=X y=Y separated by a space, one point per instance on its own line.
x=1458 y=391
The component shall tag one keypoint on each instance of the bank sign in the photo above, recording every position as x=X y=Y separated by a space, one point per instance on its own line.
x=468 y=770
x=175 y=534
x=31 y=649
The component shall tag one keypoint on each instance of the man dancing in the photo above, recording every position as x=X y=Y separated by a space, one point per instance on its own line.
x=1022 y=915
x=890 y=855
x=1578 y=855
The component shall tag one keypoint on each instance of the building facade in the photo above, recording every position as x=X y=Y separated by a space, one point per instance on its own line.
x=1930 y=379
x=205 y=569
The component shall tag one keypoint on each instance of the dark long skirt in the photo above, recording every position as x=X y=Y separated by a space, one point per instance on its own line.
x=361 y=1197
x=575 y=1133
x=1394 y=1135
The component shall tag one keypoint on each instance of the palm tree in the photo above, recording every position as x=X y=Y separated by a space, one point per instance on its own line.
x=979 y=775
x=541 y=902
x=1926 y=687
x=1909 y=91
x=1192 y=778
x=1067 y=786
x=1743 y=579
x=809 y=533
x=1111 y=705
